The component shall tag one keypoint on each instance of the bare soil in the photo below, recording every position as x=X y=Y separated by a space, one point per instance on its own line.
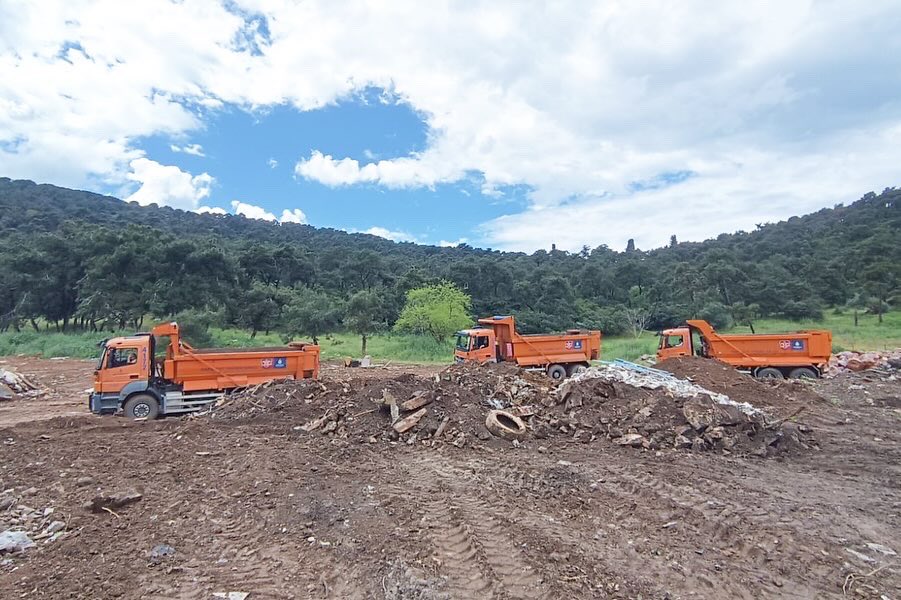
x=248 y=500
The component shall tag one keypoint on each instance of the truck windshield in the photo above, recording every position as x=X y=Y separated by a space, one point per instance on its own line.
x=463 y=342
x=102 y=358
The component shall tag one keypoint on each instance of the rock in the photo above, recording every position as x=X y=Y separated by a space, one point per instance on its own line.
x=698 y=444
x=30 y=491
x=14 y=541
x=860 y=555
x=115 y=500
x=410 y=421
x=160 y=551
x=881 y=549
x=682 y=442
x=84 y=481
x=55 y=526
x=630 y=439
x=702 y=413
x=7 y=502
x=231 y=595
x=418 y=400
x=5 y=394
x=329 y=427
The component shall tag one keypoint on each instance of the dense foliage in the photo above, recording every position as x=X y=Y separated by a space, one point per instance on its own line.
x=79 y=260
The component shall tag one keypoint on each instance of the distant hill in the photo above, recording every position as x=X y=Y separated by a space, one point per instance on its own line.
x=76 y=257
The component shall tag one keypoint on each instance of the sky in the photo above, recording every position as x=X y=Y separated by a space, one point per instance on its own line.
x=511 y=126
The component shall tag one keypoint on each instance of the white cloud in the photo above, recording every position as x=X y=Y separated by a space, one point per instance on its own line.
x=293 y=216
x=251 y=211
x=194 y=149
x=167 y=185
x=273 y=163
x=757 y=100
x=397 y=236
x=212 y=210
x=454 y=244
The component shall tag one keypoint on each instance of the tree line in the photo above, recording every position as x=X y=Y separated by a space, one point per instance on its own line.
x=76 y=260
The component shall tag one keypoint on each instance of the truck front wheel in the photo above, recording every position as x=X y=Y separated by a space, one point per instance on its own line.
x=142 y=406
x=556 y=372
x=769 y=373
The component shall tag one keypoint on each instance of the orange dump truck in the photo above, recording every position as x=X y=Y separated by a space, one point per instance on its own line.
x=496 y=340
x=767 y=356
x=130 y=377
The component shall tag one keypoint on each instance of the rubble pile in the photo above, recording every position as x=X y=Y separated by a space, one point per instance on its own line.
x=885 y=364
x=23 y=527
x=635 y=406
x=18 y=384
x=501 y=404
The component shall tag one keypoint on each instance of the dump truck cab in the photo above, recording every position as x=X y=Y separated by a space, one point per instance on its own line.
x=675 y=342
x=123 y=360
x=478 y=344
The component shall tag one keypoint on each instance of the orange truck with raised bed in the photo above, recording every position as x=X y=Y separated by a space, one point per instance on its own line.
x=495 y=340
x=767 y=356
x=130 y=377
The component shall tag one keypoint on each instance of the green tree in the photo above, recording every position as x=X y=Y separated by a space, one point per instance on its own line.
x=365 y=315
x=313 y=313
x=437 y=310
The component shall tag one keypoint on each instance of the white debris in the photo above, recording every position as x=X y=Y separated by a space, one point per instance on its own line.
x=14 y=541
x=652 y=379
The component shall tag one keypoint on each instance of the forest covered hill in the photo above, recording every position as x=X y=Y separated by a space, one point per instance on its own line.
x=79 y=259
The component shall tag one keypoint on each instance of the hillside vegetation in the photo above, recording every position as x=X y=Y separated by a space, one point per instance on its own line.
x=76 y=260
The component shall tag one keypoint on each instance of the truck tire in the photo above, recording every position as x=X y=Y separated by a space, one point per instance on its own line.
x=556 y=372
x=142 y=406
x=803 y=373
x=769 y=373
x=505 y=425
x=574 y=370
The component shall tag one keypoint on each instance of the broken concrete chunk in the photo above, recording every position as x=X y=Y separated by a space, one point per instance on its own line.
x=111 y=501
x=14 y=541
x=418 y=400
x=630 y=439
x=409 y=422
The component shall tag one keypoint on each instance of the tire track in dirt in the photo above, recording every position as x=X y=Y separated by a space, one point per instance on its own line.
x=479 y=557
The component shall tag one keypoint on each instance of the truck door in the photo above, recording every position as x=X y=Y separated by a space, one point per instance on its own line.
x=122 y=365
x=483 y=347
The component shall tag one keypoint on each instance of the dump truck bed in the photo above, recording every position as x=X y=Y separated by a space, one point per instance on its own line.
x=773 y=350
x=540 y=350
x=224 y=368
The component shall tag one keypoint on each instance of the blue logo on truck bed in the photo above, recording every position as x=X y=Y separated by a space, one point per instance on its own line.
x=797 y=344
x=574 y=344
x=281 y=362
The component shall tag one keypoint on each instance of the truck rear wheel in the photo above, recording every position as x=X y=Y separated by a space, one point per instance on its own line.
x=769 y=373
x=574 y=370
x=556 y=372
x=142 y=406
x=803 y=373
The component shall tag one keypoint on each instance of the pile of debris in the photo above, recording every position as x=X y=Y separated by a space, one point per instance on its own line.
x=22 y=527
x=884 y=364
x=499 y=404
x=18 y=384
x=642 y=407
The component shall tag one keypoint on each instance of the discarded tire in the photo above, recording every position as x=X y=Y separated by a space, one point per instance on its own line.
x=505 y=425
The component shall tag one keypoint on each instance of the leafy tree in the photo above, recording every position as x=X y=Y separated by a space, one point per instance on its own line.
x=745 y=314
x=365 y=315
x=437 y=310
x=313 y=313
x=717 y=314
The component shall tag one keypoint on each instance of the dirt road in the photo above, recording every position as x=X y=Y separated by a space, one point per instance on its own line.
x=251 y=503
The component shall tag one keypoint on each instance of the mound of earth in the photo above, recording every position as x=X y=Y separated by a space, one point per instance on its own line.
x=741 y=387
x=452 y=407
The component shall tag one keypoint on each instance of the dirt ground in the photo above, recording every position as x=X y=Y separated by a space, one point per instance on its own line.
x=247 y=500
